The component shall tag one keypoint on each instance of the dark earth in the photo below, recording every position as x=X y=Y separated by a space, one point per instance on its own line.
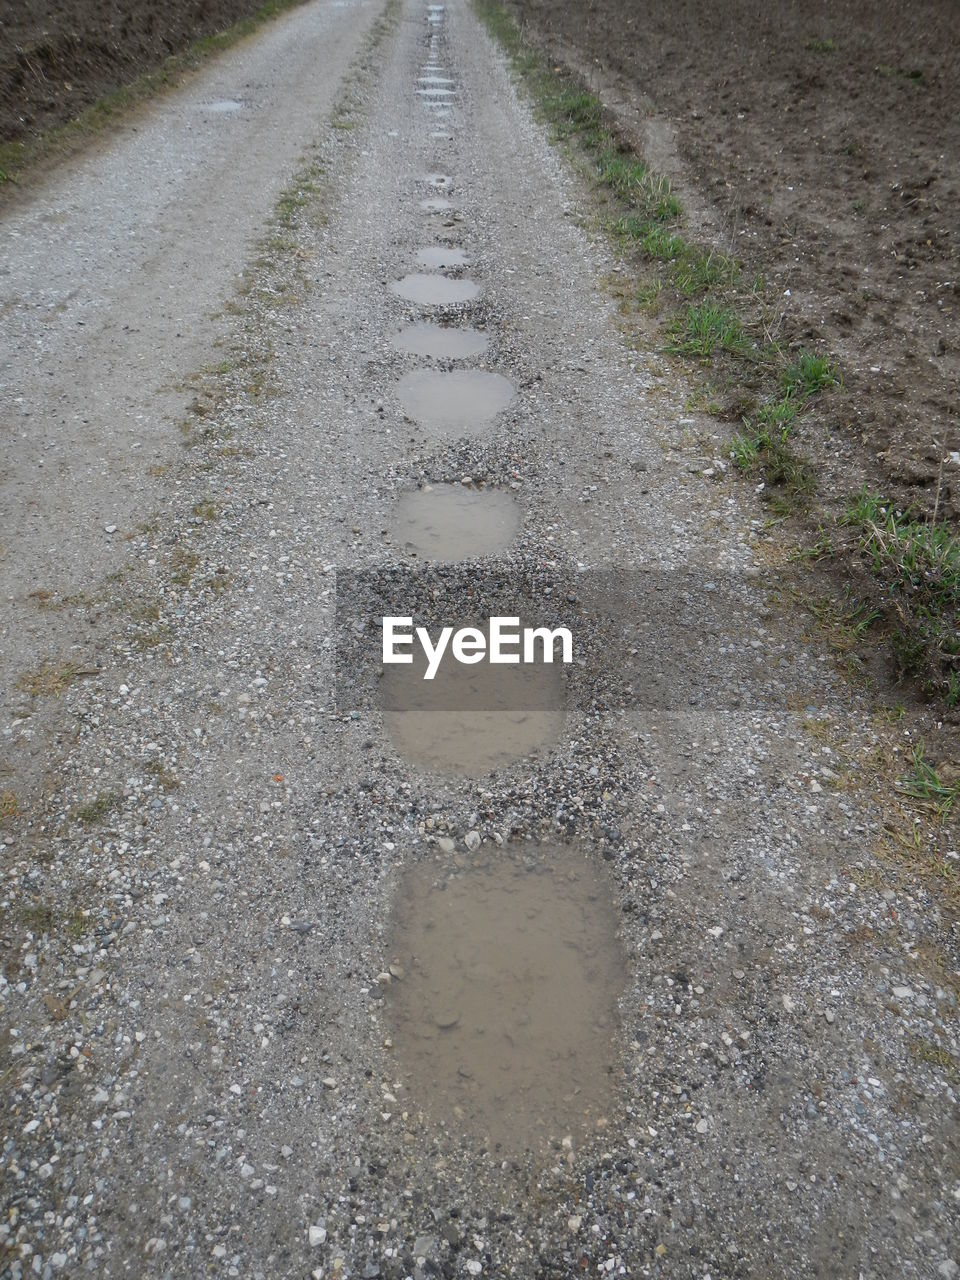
x=820 y=145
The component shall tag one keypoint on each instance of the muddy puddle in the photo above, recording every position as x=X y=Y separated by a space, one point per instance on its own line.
x=502 y=1006
x=449 y=522
x=435 y=291
x=471 y=719
x=442 y=258
x=443 y=342
x=455 y=402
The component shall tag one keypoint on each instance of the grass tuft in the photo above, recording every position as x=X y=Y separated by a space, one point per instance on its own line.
x=705 y=328
x=924 y=785
x=808 y=375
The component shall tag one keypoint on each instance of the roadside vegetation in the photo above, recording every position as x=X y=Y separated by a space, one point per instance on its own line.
x=726 y=329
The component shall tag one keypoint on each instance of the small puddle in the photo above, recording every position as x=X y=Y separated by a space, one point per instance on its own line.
x=503 y=1002
x=440 y=341
x=435 y=291
x=469 y=720
x=450 y=522
x=434 y=80
x=436 y=205
x=223 y=105
x=439 y=181
x=442 y=258
x=454 y=402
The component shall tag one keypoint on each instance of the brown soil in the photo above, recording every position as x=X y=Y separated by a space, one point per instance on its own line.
x=820 y=144
x=59 y=56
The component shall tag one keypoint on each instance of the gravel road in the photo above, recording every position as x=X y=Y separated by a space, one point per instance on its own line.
x=202 y=1062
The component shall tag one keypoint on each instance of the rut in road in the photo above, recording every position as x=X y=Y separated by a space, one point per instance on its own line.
x=222 y=1053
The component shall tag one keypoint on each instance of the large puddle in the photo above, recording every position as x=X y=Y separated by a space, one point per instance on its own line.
x=441 y=258
x=441 y=341
x=462 y=400
x=471 y=719
x=435 y=291
x=450 y=522
x=503 y=1004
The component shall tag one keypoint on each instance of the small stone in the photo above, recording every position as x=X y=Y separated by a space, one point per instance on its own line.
x=317 y=1235
x=948 y=1269
x=474 y=1268
x=472 y=840
x=703 y=1126
x=574 y=1223
x=329 y=1082
x=446 y=844
x=109 y=528
x=903 y=993
x=446 y=1020
x=830 y=1016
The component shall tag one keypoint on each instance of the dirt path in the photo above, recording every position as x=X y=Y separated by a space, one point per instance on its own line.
x=110 y=276
x=207 y=1068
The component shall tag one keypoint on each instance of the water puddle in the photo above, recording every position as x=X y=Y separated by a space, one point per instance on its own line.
x=434 y=80
x=469 y=720
x=440 y=341
x=434 y=205
x=454 y=402
x=442 y=258
x=435 y=291
x=502 y=1005
x=223 y=105
x=449 y=522
x=437 y=95
x=439 y=181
